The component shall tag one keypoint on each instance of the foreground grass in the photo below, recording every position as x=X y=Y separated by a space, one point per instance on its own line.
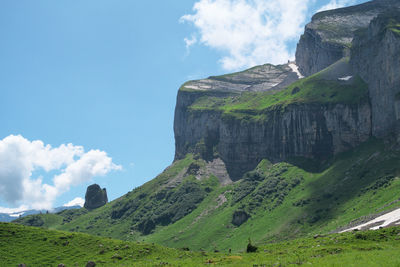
x=38 y=247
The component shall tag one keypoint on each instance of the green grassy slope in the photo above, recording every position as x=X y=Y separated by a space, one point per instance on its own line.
x=391 y=20
x=162 y=201
x=38 y=247
x=287 y=201
x=315 y=89
x=284 y=201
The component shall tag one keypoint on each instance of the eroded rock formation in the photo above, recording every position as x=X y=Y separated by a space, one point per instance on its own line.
x=95 y=197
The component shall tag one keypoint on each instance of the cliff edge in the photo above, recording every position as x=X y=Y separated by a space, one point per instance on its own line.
x=328 y=37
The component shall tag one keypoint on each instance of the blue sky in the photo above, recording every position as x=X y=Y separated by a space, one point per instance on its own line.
x=104 y=75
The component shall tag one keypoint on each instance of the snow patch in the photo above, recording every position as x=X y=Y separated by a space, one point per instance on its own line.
x=16 y=215
x=345 y=78
x=295 y=69
x=381 y=221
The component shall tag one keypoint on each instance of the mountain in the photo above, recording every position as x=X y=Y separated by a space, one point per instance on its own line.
x=269 y=154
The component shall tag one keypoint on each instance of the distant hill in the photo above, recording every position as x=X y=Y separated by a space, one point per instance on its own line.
x=8 y=217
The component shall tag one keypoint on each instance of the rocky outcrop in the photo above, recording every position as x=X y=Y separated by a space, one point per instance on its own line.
x=327 y=38
x=239 y=217
x=95 y=197
x=375 y=55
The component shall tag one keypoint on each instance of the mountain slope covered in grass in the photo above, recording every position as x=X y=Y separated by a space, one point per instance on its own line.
x=38 y=247
x=273 y=202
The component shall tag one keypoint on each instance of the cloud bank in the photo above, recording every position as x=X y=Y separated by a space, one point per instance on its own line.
x=78 y=201
x=252 y=32
x=19 y=158
x=249 y=32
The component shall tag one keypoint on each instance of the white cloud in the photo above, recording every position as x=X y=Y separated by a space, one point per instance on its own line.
x=252 y=32
x=78 y=201
x=14 y=210
x=249 y=32
x=190 y=42
x=19 y=158
x=333 y=4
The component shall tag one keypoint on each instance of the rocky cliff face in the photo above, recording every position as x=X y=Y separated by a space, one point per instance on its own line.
x=190 y=128
x=376 y=57
x=312 y=125
x=95 y=197
x=327 y=38
x=313 y=130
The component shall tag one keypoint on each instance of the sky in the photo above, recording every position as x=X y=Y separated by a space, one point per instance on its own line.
x=88 y=88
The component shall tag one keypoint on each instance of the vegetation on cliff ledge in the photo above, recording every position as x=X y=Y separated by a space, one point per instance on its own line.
x=315 y=89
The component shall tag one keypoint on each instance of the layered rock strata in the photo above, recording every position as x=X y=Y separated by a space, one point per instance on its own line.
x=297 y=130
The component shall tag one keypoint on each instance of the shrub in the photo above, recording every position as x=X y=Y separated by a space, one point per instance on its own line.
x=251 y=248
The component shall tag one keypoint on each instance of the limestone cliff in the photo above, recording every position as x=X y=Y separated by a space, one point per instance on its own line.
x=204 y=125
x=375 y=55
x=244 y=136
x=327 y=38
x=267 y=112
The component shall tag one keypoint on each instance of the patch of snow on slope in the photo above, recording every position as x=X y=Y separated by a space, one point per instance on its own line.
x=345 y=78
x=295 y=69
x=16 y=215
x=381 y=221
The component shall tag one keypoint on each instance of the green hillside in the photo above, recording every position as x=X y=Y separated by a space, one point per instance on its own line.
x=38 y=247
x=282 y=201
